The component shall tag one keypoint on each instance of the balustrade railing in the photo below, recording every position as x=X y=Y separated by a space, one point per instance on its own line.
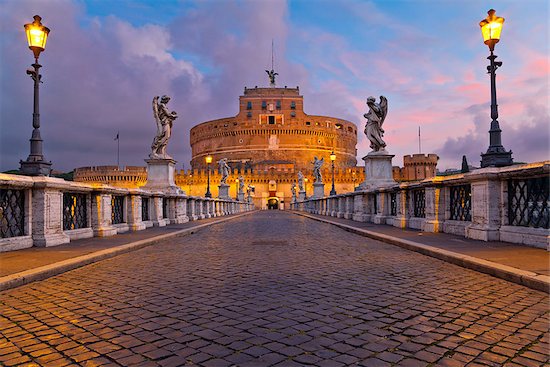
x=12 y=213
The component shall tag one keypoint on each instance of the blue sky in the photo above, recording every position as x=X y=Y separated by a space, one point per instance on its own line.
x=105 y=61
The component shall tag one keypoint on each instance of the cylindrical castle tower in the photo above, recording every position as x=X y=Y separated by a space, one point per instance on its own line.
x=272 y=130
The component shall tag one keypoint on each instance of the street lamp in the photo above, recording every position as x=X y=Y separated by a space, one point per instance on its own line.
x=332 y=159
x=237 y=189
x=35 y=165
x=208 y=160
x=496 y=155
x=305 y=186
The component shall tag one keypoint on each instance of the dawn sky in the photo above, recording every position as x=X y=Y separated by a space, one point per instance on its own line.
x=105 y=60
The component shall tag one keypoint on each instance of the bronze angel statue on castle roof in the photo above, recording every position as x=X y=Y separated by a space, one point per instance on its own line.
x=375 y=119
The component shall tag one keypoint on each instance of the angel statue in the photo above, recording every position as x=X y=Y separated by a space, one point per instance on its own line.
x=271 y=74
x=317 y=163
x=375 y=118
x=300 y=181
x=164 y=119
x=224 y=170
x=241 y=183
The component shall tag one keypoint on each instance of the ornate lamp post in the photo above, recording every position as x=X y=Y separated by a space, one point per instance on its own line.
x=496 y=155
x=237 y=189
x=35 y=165
x=332 y=159
x=305 y=185
x=208 y=160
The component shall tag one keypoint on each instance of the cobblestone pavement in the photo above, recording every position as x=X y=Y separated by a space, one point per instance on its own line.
x=273 y=289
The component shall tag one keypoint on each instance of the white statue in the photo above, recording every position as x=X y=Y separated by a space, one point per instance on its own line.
x=164 y=119
x=300 y=181
x=317 y=163
x=241 y=184
x=224 y=170
x=375 y=118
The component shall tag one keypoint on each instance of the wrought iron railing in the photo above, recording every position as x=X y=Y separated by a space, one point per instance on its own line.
x=528 y=202
x=461 y=202
x=375 y=203
x=117 y=209
x=74 y=211
x=419 y=203
x=144 y=209
x=393 y=203
x=12 y=213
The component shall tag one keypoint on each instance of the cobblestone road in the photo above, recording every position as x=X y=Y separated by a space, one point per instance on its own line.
x=274 y=289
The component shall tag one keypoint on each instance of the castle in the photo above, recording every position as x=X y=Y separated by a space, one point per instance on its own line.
x=268 y=142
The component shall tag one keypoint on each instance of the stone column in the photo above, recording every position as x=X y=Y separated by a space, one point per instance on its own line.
x=435 y=209
x=191 y=208
x=200 y=209
x=383 y=209
x=156 y=212
x=134 y=213
x=101 y=215
x=402 y=218
x=181 y=210
x=486 y=208
x=318 y=189
x=47 y=217
x=348 y=214
x=361 y=211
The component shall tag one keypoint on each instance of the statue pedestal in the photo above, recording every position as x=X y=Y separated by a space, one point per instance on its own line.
x=240 y=196
x=160 y=176
x=293 y=200
x=378 y=170
x=223 y=191
x=318 y=190
x=301 y=196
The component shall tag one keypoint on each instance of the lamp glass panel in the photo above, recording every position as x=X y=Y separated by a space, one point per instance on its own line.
x=36 y=36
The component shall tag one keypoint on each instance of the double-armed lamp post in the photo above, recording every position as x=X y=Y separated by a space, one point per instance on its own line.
x=496 y=155
x=35 y=165
x=332 y=159
x=208 y=160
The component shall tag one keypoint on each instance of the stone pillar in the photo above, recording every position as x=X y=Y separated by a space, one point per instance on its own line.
x=101 y=215
x=133 y=209
x=200 y=208
x=318 y=190
x=156 y=212
x=341 y=207
x=181 y=210
x=378 y=170
x=383 y=207
x=361 y=212
x=486 y=209
x=402 y=218
x=241 y=196
x=47 y=217
x=191 y=208
x=160 y=176
x=223 y=192
x=435 y=209
x=301 y=196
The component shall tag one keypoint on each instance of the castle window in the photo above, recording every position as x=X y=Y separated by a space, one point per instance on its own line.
x=264 y=105
x=338 y=126
x=272 y=120
x=248 y=105
x=278 y=105
x=350 y=129
x=249 y=114
x=293 y=105
x=293 y=114
x=308 y=123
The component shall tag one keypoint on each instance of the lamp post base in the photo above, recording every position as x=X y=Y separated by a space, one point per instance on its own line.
x=35 y=168
x=499 y=158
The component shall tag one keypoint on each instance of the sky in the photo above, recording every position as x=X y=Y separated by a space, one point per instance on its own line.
x=105 y=60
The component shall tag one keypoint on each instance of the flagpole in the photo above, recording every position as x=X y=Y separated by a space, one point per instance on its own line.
x=118 y=149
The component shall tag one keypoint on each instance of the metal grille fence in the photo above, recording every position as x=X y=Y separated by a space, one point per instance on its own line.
x=144 y=209
x=164 y=207
x=12 y=213
x=528 y=202
x=461 y=202
x=375 y=202
x=419 y=202
x=393 y=203
x=117 y=209
x=74 y=211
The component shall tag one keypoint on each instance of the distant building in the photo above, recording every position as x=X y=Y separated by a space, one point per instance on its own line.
x=416 y=167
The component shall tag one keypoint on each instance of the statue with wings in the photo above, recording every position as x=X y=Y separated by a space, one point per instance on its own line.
x=164 y=119
x=271 y=74
x=317 y=163
x=375 y=119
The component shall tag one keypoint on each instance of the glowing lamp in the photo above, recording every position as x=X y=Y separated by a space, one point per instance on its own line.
x=332 y=156
x=37 y=35
x=491 y=27
x=208 y=159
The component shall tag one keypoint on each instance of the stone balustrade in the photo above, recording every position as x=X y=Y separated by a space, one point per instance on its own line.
x=510 y=204
x=46 y=211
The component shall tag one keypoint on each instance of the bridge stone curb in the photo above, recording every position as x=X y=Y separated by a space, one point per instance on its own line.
x=50 y=270
x=523 y=277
